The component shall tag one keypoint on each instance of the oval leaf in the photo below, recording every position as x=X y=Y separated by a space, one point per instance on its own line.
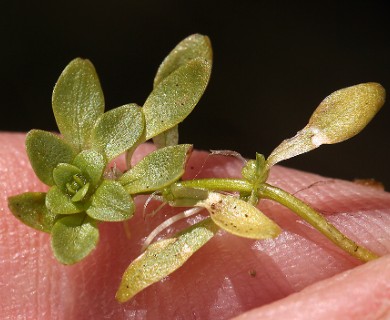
x=162 y=258
x=118 y=130
x=111 y=202
x=157 y=170
x=59 y=202
x=78 y=102
x=30 y=208
x=92 y=165
x=194 y=46
x=45 y=151
x=73 y=238
x=340 y=116
x=174 y=98
x=239 y=217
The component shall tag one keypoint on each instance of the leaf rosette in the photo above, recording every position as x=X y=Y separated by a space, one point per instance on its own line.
x=73 y=165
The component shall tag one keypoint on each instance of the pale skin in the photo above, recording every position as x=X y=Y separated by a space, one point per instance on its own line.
x=299 y=275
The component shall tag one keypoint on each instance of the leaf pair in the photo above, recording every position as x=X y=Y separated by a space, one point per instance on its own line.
x=78 y=106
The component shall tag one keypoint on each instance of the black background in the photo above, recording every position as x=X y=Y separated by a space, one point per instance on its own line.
x=274 y=61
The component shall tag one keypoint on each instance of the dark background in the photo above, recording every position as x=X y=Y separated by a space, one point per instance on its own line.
x=274 y=61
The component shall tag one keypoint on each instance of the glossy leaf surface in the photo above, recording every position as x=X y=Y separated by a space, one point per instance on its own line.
x=45 y=151
x=30 y=208
x=78 y=101
x=157 y=170
x=118 y=130
x=73 y=238
x=162 y=258
x=239 y=217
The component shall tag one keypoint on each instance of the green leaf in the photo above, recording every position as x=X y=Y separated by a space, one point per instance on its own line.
x=194 y=46
x=167 y=138
x=162 y=258
x=239 y=217
x=45 y=151
x=30 y=208
x=255 y=170
x=78 y=102
x=63 y=174
x=111 y=202
x=340 y=116
x=61 y=203
x=174 y=98
x=81 y=193
x=157 y=170
x=92 y=165
x=74 y=237
x=118 y=130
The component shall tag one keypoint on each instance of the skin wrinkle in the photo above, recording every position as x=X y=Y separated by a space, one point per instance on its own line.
x=311 y=301
x=115 y=251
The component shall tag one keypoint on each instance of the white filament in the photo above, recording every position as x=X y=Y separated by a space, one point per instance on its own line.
x=185 y=214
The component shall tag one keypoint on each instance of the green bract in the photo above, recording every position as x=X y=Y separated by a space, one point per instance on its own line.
x=82 y=193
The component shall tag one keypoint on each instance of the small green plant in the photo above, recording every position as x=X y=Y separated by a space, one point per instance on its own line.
x=83 y=193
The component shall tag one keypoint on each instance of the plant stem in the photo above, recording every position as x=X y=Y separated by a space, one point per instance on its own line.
x=218 y=184
x=303 y=210
x=317 y=221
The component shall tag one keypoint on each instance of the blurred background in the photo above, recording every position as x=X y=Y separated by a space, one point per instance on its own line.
x=274 y=61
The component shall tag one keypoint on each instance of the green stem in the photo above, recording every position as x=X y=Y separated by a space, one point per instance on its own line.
x=288 y=200
x=317 y=221
x=217 y=184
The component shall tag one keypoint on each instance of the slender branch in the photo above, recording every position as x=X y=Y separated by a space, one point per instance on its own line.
x=218 y=184
x=317 y=221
